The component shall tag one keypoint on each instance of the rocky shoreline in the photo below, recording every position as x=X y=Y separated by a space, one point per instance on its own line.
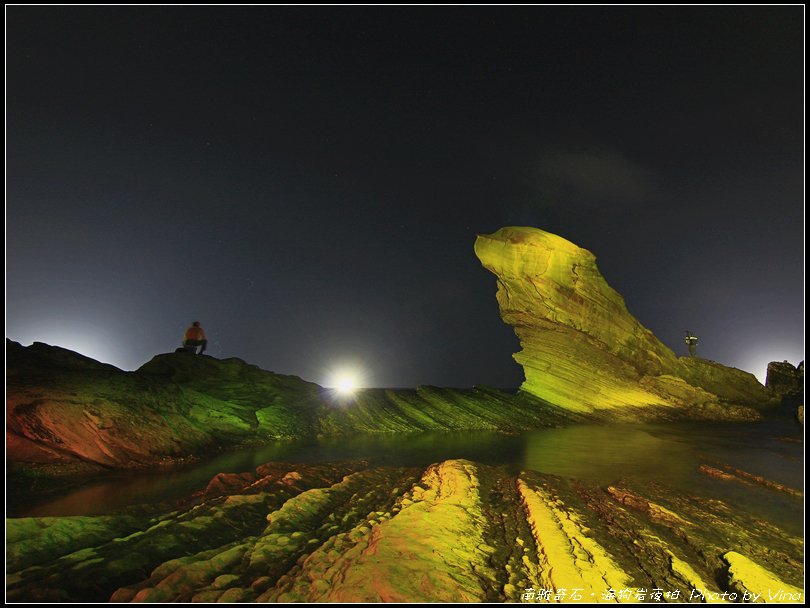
x=454 y=531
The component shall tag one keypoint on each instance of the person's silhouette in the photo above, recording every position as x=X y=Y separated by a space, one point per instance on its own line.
x=194 y=337
x=691 y=343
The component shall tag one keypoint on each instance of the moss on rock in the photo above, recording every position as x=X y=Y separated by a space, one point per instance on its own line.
x=455 y=531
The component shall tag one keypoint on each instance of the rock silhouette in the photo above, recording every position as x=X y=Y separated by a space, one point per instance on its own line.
x=784 y=379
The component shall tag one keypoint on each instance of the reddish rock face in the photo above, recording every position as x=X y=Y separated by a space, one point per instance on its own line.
x=64 y=410
x=224 y=484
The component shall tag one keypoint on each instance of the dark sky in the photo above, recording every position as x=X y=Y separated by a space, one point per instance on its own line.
x=308 y=181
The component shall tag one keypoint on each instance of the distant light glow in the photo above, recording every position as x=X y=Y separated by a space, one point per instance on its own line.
x=93 y=341
x=345 y=380
x=757 y=362
x=346 y=385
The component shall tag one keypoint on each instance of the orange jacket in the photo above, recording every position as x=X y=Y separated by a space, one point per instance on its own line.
x=195 y=333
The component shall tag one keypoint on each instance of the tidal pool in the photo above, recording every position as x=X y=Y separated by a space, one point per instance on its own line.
x=667 y=454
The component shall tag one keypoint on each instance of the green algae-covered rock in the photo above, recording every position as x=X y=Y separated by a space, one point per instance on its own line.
x=64 y=409
x=583 y=350
x=454 y=531
x=32 y=540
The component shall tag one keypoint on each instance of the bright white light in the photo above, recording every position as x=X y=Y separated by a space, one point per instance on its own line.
x=757 y=361
x=345 y=380
x=346 y=385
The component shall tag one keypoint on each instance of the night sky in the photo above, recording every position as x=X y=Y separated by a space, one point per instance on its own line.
x=308 y=182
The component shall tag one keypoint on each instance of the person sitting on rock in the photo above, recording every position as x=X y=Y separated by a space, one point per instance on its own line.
x=691 y=342
x=195 y=336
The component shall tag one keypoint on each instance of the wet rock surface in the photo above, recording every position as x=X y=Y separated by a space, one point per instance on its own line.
x=454 y=531
x=584 y=351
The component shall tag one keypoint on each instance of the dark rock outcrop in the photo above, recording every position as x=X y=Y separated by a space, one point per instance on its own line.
x=583 y=350
x=784 y=379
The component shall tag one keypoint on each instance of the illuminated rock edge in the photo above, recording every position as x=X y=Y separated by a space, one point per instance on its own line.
x=582 y=350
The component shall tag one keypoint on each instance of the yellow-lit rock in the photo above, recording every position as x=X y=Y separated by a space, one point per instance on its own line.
x=749 y=577
x=582 y=349
x=454 y=531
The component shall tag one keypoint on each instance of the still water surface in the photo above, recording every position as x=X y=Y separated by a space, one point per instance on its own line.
x=668 y=454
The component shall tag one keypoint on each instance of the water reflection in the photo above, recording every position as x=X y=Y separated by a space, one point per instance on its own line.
x=667 y=454
x=608 y=454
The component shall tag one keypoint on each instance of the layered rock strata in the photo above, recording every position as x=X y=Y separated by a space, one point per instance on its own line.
x=581 y=348
x=454 y=531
